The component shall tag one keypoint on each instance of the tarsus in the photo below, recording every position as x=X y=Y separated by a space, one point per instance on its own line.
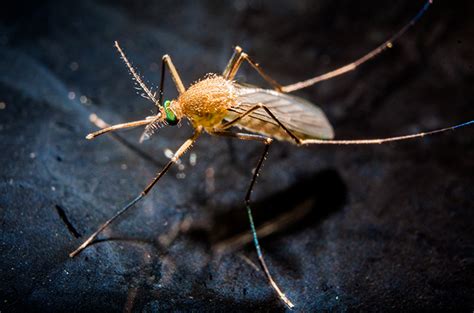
x=352 y=66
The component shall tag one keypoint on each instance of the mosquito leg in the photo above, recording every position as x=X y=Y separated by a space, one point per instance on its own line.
x=117 y=127
x=383 y=140
x=231 y=64
x=267 y=141
x=238 y=57
x=185 y=146
x=166 y=59
x=234 y=64
x=236 y=61
x=262 y=106
x=162 y=81
x=165 y=62
x=174 y=74
x=352 y=66
x=149 y=129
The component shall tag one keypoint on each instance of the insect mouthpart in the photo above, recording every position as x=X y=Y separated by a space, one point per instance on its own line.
x=171 y=118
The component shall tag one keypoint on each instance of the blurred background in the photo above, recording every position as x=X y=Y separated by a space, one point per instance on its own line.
x=366 y=228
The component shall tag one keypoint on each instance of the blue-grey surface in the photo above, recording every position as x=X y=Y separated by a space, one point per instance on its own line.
x=371 y=228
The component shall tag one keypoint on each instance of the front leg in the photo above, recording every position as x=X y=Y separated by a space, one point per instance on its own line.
x=184 y=147
x=174 y=74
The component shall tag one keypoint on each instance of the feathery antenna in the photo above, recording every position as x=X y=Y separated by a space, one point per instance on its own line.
x=136 y=77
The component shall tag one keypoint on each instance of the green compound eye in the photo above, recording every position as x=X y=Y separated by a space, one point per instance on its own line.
x=171 y=118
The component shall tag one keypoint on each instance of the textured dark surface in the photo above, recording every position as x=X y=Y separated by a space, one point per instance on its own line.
x=383 y=228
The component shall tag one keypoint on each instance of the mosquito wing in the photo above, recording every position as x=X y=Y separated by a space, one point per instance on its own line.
x=302 y=118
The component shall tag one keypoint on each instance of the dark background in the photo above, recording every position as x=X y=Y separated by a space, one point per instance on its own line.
x=367 y=228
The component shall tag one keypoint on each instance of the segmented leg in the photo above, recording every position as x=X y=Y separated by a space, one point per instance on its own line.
x=256 y=107
x=267 y=141
x=236 y=61
x=383 y=140
x=352 y=66
x=185 y=146
x=162 y=81
x=174 y=74
x=231 y=64
x=166 y=60
x=238 y=57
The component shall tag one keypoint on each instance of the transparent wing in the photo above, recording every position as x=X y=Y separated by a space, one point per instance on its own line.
x=304 y=119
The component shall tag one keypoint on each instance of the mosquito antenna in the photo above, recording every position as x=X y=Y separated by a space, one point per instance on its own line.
x=153 y=126
x=383 y=140
x=136 y=77
x=352 y=66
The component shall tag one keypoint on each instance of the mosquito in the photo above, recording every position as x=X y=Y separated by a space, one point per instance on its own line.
x=217 y=102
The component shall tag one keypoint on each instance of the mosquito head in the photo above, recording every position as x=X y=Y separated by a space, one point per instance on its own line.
x=169 y=112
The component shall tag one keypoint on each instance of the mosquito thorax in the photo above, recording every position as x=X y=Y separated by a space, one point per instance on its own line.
x=207 y=100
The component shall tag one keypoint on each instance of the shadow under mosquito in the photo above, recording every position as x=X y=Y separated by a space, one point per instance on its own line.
x=304 y=205
x=144 y=295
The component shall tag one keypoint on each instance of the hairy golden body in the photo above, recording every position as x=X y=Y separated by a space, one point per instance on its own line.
x=214 y=99
x=206 y=102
